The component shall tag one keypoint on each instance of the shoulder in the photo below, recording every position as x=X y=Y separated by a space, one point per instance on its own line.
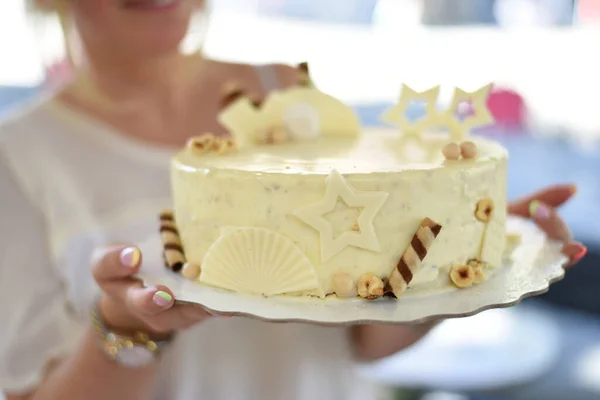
x=24 y=123
x=285 y=74
x=30 y=142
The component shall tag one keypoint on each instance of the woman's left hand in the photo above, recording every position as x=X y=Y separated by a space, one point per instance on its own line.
x=541 y=208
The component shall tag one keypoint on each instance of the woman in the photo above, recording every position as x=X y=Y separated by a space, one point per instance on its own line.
x=86 y=169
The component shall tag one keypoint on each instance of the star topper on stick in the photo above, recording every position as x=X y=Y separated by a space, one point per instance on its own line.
x=477 y=116
x=397 y=114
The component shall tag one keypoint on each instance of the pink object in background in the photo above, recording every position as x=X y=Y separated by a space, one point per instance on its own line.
x=588 y=11
x=507 y=107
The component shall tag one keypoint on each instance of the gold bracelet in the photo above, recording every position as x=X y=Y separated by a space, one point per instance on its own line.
x=134 y=351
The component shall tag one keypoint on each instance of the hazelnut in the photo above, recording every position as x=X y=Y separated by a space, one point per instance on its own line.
x=484 y=209
x=370 y=286
x=451 y=151
x=216 y=145
x=220 y=145
x=276 y=135
x=190 y=271
x=343 y=285
x=468 y=150
x=201 y=143
x=231 y=143
x=462 y=276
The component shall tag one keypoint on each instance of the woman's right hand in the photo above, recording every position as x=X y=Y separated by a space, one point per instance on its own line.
x=127 y=306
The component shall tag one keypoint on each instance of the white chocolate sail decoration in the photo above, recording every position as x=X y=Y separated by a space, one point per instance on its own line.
x=335 y=118
x=260 y=262
x=240 y=116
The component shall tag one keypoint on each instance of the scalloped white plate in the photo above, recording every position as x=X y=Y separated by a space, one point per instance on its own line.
x=533 y=265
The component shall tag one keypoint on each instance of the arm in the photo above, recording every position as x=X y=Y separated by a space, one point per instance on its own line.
x=77 y=377
x=372 y=342
x=287 y=75
x=45 y=353
x=37 y=324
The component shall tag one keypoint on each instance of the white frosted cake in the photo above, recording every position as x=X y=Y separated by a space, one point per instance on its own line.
x=302 y=201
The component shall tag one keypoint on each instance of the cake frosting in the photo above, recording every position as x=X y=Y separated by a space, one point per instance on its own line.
x=328 y=208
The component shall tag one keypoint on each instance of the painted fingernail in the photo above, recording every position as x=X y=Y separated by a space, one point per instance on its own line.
x=573 y=189
x=580 y=254
x=162 y=299
x=539 y=210
x=130 y=257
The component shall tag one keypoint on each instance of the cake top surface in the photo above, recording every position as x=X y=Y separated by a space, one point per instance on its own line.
x=375 y=150
x=302 y=130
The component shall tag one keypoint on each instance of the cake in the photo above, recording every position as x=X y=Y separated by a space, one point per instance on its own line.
x=303 y=201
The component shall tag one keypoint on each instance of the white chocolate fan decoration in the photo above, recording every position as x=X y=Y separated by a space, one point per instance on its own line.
x=335 y=118
x=260 y=262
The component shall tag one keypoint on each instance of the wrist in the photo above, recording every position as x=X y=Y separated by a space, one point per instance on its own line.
x=135 y=350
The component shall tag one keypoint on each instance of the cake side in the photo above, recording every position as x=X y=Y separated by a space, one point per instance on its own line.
x=267 y=199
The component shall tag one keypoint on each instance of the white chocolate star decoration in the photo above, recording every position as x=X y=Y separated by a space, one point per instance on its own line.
x=397 y=114
x=479 y=116
x=365 y=237
x=242 y=119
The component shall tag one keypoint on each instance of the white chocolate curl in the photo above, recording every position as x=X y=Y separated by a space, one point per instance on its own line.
x=302 y=121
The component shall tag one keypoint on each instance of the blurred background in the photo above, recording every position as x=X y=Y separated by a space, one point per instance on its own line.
x=542 y=56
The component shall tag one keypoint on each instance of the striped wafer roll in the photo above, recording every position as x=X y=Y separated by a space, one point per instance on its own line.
x=173 y=254
x=410 y=261
x=303 y=67
x=257 y=102
x=304 y=79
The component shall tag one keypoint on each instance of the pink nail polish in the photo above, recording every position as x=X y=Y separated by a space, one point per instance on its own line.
x=580 y=254
x=130 y=257
x=573 y=189
x=539 y=210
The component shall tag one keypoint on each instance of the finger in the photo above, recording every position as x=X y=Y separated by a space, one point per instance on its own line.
x=147 y=301
x=177 y=318
x=575 y=251
x=554 y=196
x=115 y=262
x=549 y=221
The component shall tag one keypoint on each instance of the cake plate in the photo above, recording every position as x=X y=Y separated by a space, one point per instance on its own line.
x=529 y=270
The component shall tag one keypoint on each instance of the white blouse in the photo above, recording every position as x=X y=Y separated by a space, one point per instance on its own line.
x=68 y=184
